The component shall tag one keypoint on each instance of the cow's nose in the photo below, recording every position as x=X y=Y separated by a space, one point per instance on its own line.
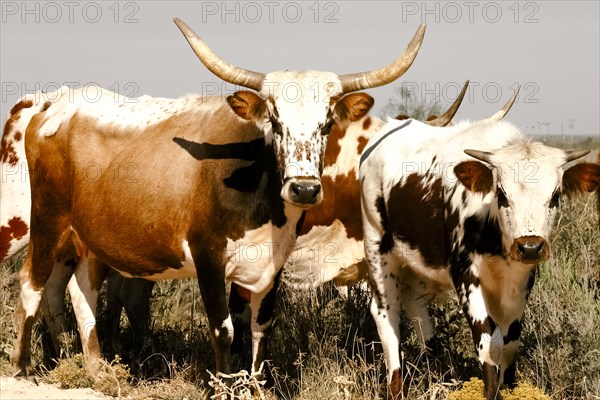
x=531 y=248
x=305 y=193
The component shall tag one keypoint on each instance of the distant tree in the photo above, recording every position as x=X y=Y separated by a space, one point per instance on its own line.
x=405 y=102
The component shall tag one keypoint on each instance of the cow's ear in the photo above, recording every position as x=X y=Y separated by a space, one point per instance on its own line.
x=584 y=177
x=352 y=107
x=247 y=105
x=475 y=176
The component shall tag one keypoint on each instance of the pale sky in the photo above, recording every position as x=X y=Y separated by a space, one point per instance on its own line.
x=552 y=48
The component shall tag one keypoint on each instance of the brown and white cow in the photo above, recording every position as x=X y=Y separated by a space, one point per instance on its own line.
x=15 y=206
x=174 y=188
x=329 y=246
x=436 y=218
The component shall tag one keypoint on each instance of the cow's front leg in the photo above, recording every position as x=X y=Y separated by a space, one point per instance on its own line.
x=84 y=287
x=133 y=294
x=239 y=308
x=487 y=337
x=512 y=341
x=508 y=366
x=211 y=279
x=137 y=307
x=385 y=308
x=262 y=305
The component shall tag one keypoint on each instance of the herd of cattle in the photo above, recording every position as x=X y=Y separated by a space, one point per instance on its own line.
x=197 y=182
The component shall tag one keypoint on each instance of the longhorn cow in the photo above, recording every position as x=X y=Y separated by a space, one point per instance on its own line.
x=436 y=219
x=209 y=176
x=330 y=240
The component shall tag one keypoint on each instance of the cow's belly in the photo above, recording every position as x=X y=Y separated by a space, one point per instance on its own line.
x=251 y=262
x=438 y=275
x=187 y=270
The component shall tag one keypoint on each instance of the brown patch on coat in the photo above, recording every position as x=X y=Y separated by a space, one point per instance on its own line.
x=366 y=123
x=362 y=142
x=333 y=145
x=342 y=202
x=16 y=229
x=20 y=105
x=415 y=215
x=14 y=117
x=8 y=154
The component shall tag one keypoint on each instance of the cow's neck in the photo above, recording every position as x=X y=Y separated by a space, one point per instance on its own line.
x=478 y=258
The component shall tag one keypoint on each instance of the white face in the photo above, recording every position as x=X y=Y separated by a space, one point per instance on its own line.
x=301 y=112
x=527 y=193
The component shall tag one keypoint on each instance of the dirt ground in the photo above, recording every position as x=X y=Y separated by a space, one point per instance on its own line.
x=17 y=389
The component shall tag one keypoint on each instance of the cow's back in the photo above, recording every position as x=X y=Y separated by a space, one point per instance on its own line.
x=159 y=170
x=409 y=186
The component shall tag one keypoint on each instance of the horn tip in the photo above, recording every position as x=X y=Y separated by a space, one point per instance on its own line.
x=183 y=27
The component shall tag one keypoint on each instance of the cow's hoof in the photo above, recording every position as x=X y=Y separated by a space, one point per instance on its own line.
x=25 y=373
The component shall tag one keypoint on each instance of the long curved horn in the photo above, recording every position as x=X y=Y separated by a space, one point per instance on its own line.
x=387 y=74
x=575 y=154
x=502 y=113
x=216 y=65
x=446 y=117
x=480 y=155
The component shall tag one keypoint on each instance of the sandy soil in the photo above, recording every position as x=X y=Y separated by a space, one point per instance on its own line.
x=13 y=389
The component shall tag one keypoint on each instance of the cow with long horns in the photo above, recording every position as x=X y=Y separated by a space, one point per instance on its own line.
x=436 y=218
x=335 y=222
x=205 y=179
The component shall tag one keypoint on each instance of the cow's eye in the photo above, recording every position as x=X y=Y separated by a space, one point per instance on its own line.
x=502 y=200
x=276 y=126
x=327 y=128
x=555 y=199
